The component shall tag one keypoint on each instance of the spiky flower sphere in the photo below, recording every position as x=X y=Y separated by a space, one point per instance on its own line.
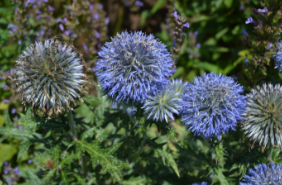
x=278 y=57
x=263 y=116
x=212 y=105
x=50 y=76
x=165 y=103
x=133 y=66
x=264 y=175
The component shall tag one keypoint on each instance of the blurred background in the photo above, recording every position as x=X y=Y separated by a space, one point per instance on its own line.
x=213 y=42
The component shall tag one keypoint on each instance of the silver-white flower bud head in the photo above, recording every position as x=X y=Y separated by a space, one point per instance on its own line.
x=50 y=75
x=263 y=116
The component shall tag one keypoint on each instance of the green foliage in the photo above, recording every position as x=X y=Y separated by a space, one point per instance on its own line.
x=106 y=145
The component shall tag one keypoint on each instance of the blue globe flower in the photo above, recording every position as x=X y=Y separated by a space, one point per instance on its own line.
x=264 y=175
x=212 y=105
x=278 y=57
x=165 y=103
x=133 y=66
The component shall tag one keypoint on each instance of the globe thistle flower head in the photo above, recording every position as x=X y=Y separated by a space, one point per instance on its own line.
x=212 y=105
x=263 y=116
x=50 y=75
x=278 y=57
x=178 y=86
x=133 y=66
x=264 y=175
x=166 y=102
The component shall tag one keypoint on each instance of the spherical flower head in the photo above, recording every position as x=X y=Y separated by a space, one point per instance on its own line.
x=212 y=105
x=178 y=86
x=133 y=66
x=278 y=57
x=50 y=76
x=263 y=116
x=165 y=103
x=264 y=175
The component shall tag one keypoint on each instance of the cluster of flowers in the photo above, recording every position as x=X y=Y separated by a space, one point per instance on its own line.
x=12 y=174
x=134 y=71
x=81 y=22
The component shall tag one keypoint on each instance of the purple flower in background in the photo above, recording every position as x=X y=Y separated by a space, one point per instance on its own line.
x=198 y=45
x=12 y=29
x=94 y=69
x=29 y=161
x=5 y=86
x=14 y=110
x=244 y=32
x=250 y=20
x=19 y=42
x=97 y=34
x=187 y=25
x=265 y=10
x=51 y=9
x=6 y=101
x=270 y=45
x=95 y=16
x=61 y=27
x=107 y=20
x=139 y=3
x=85 y=47
x=196 y=33
x=67 y=32
x=175 y=15
x=20 y=127
x=16 y=118
x=91 y=7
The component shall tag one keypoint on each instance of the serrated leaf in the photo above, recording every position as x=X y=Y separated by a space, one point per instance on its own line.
x=15 y=133
x=23 y=147
x=33 y=177
x=171 y=133
x=219 y=154
x=220 y=177
x=109 y=163
x=48 y=176
x=79 y=179
x=7 y=119
x=168 y=160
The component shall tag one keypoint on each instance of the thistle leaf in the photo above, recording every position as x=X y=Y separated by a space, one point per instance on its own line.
x=7 y=119
x=25 y=144
x=33 y=177
x=168 y=160
x=104 y=157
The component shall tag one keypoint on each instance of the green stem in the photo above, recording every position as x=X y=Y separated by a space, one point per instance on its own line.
x=270 y=151
x=74 y=135
x=142 y=147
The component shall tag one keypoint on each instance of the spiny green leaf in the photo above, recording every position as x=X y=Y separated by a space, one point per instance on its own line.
x=7 y=119
x=220 y=177
x=79 y=179
x=108 y=162
x=48 y=176
x=219 y=154
x=168 y=160
x=33 y=177
x=23 y=147
x=15 y=133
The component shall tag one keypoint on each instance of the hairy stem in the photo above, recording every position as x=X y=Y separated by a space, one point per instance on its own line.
x=74 y=135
